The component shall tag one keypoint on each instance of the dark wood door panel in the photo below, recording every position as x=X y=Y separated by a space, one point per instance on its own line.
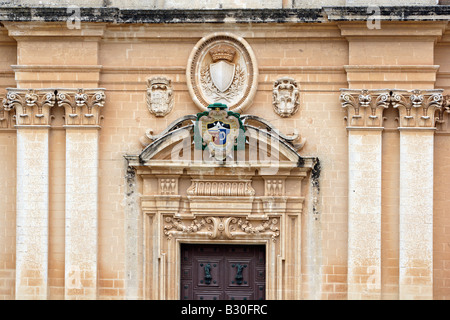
x=222 y=272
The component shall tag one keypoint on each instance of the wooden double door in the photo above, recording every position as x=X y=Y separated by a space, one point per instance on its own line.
x=222 y=272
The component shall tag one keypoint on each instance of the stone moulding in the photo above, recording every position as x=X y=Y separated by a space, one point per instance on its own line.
x=417 y=108
x=313 y=15
x=32 y=107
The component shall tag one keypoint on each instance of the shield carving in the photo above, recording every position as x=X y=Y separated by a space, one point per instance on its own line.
x=222 y=74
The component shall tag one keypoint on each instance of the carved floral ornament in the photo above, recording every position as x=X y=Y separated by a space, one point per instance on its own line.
x=222 y=227
x=417 y=108
x=32 y=106
x=222 y=68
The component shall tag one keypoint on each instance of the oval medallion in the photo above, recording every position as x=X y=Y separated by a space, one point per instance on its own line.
x=222 y=69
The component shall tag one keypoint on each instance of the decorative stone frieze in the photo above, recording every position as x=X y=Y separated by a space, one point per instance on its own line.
x=82 y=106
x=286 y=97
x=222 y=227
x=159 y=96
x=222 y=68
x=220 y=187
x=32 y=106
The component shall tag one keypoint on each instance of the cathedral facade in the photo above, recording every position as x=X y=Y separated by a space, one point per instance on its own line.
x=219 y=150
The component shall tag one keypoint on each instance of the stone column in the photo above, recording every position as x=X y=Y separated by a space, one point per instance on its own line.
x=364 y=125
x=32 y=202
x=82 y=125
x=417 y=126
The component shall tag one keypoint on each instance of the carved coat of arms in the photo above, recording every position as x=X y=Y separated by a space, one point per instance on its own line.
x=159 y=96
x=220 y=131
x=285 y=97
x=222 y=69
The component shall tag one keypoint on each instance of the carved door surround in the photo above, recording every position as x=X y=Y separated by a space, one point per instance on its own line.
x=185 y=201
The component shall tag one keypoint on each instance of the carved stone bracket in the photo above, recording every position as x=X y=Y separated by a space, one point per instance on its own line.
x=222 y=227
x=417 y=108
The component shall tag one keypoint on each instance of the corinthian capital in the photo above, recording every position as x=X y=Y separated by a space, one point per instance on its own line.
x=417 y=108
x=32 y=106
x=365 y=107
x=81 y=106
x=5 y=116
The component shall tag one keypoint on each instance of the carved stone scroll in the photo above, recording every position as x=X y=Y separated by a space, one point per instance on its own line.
x=222 y=227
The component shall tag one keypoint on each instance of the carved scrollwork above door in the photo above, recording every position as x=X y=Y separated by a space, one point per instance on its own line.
x=222 y=227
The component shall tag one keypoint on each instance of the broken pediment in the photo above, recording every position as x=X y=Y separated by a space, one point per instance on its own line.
x=221 y=137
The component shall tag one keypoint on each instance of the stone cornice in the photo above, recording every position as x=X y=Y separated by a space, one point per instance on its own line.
x=314 y=15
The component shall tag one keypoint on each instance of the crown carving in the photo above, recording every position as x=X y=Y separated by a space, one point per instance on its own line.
x=159 y=81
x=222 y=53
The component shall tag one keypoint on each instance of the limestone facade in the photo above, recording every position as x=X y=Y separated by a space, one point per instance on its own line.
x=337 y=163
